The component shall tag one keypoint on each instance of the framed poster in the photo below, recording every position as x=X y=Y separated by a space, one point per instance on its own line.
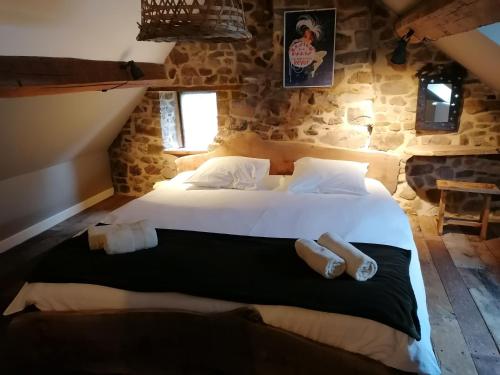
x=309 y=48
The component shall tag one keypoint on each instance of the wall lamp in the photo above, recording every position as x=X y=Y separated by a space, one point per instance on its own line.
x=135 y=71
x=399 y=55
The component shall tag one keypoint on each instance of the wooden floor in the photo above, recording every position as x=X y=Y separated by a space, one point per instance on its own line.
x=461 y=275
x=462 y=281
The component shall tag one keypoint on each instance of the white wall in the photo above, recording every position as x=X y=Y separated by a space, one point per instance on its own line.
x=32 y=197
x=53 y=152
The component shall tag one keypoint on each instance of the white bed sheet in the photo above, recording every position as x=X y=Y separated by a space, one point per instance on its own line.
x=374 y=218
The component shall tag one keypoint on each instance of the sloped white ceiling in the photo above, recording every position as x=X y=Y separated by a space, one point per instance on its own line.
x=472 y=49
x=87 y=29
x=39 y=132
x=477 y=53
x=491 y=31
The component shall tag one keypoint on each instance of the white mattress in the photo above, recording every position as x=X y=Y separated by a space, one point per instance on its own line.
x=374 y=218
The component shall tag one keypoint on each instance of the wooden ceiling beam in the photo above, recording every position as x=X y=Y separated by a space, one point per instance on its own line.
x=228 y=87
x=436 y=19
x=31 y=76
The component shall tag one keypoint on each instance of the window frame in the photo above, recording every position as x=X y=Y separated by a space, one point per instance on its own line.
x=181 y=136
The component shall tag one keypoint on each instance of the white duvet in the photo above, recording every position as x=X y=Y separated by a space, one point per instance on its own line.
x=372 y=218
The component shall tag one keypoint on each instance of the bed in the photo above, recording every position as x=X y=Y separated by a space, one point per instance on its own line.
x=225 y=336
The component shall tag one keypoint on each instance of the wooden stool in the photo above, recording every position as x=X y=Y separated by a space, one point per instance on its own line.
x=487 y=190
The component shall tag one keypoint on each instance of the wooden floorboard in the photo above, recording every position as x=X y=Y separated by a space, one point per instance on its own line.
x=456 y=358
x=462 y=277
x=474 y=329
x=461 y=251
x=428 y=225
x=493 y=246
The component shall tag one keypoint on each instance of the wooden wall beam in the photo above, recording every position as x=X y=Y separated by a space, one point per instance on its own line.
x=31 y=76
x=229 y=87
x=439 y=18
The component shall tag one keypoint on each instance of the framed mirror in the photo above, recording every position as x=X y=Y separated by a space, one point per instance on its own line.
x=440 y=99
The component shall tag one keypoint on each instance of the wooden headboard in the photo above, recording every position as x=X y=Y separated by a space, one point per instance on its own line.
x=383 y=166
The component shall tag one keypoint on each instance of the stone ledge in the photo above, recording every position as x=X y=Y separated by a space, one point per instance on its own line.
x=451 y=150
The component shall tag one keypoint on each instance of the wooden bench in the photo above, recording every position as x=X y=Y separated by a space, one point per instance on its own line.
x=487 y=190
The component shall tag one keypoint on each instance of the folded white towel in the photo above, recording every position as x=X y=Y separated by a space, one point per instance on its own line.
x=323 y=261
x=123 y=238
x=358 y=265
x=97 y=236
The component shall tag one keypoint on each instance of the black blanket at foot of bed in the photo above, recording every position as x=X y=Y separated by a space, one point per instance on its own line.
x=253 y=270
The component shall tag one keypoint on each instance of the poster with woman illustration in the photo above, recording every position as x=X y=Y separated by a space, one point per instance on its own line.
x=309 y=48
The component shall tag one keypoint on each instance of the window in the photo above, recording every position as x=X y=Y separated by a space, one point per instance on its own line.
x=189 y=120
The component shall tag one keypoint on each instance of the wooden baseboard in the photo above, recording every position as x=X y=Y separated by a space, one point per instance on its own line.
x=43 y=225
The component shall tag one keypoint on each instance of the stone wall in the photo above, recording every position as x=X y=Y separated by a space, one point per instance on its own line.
x=137 y=157
x=367 y=88
x=422 y=172
x=328 y=116
x=479 y=126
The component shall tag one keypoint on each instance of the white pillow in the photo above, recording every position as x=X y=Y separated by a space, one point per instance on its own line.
x=270 y=182
x=177 y=180
x=312 y=175
x=231 y=172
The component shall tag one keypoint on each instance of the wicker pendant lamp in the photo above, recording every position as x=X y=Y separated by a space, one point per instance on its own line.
x=193 y=20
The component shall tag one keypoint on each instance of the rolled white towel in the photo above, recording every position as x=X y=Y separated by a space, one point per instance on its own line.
x=119 y=240
x=144 y=235
x=323 y=261
x=123 y=238
x=358 y=265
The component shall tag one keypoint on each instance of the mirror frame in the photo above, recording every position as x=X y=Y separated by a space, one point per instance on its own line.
x=449 y=75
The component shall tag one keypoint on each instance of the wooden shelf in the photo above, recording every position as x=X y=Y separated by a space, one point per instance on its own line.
x=435 y=150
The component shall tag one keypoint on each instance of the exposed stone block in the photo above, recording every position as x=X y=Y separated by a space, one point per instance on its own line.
x=363 y=39
x=489 y=117
x=177 y=57
x=398 y=101
x=407 y=193
x=342 y=42
x=152 y=170
x=243 y=58
x=445 y=172
x=440 y=140
x=134 y=170
x=205 y=71
x=395 y=127
x=277 y=135
x=421 y=169
x=464 y=174
x=154 y=149
x=349 y=58
x=361 y=77
x=473 y=106
x=292 y=133
x=241 y=109
x=395 y=88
